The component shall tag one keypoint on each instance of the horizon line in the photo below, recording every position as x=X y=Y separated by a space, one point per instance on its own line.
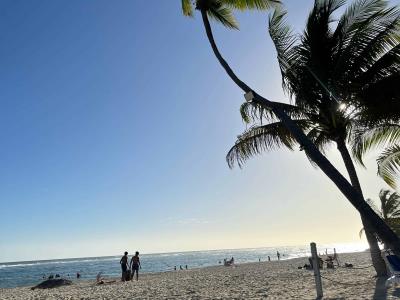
x=171 y=252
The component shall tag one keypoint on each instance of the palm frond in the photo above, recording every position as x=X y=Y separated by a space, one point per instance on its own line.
x=376 y=210
x=365 y=139
x=394 y=223
x=379 y=40
x=372 y=204
x=394 y=200
x=319 y=138
x=312 y=68
x=260 y=139
x=321 y=141
x=390 y=204
x=220 y=12
x=370 y=38
x=251 y=112
x=284 y=39
x=389 y=165
x=380 y=101
x=357 y=12
x=187 y=8
x=389 y=209
x=385 y=65
x=252 y=4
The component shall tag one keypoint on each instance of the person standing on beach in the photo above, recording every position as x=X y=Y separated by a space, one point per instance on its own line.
x=135 y=265
x=269 y=258
x=124 y=265
x=278 y=255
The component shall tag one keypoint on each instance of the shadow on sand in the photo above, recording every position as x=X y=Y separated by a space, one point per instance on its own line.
x=381 y=292
x=380 y=289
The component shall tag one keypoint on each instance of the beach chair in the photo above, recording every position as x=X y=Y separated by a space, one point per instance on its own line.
x=393 y=265
x=331 y=259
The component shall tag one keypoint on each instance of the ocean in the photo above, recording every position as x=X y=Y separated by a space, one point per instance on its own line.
x=29 y=273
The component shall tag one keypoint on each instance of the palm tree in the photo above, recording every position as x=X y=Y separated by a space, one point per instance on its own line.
x=388 y=136
x=221 y=10
x=326 y=101
x=389 y=209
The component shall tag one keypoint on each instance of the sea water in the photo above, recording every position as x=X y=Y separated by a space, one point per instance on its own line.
x=29 y=273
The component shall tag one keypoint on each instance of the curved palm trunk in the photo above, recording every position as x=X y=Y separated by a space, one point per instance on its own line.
x=375 y=251
x=355 y=198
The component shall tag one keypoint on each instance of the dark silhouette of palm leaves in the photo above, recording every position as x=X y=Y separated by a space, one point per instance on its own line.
x=222 y=10
x=385 y=135
x=262 y=138
x=390 y=204
x=388 y=210
x=330 y=74
x=389 y=164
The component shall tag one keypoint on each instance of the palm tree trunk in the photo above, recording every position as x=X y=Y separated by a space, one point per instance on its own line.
x=375 y=251
x=355 y=198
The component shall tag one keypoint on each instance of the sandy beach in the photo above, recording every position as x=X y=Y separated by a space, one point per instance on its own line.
x=264 y=280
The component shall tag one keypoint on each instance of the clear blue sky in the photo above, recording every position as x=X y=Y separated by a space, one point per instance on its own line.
x=114 y=124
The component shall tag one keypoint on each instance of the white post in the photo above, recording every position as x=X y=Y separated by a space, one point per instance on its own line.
x=317 y=275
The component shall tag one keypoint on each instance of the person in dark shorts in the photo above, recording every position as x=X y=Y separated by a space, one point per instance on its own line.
x=124 y=265
x=135 y=265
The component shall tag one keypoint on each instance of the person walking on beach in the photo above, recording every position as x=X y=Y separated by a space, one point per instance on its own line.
x=135 y=265
x=278 y=255
x=269 y=258
x=124 y=265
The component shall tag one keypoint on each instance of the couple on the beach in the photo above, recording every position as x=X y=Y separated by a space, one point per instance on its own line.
x=128 y=272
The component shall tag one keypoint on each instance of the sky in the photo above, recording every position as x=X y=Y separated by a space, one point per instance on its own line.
x=115 y=121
